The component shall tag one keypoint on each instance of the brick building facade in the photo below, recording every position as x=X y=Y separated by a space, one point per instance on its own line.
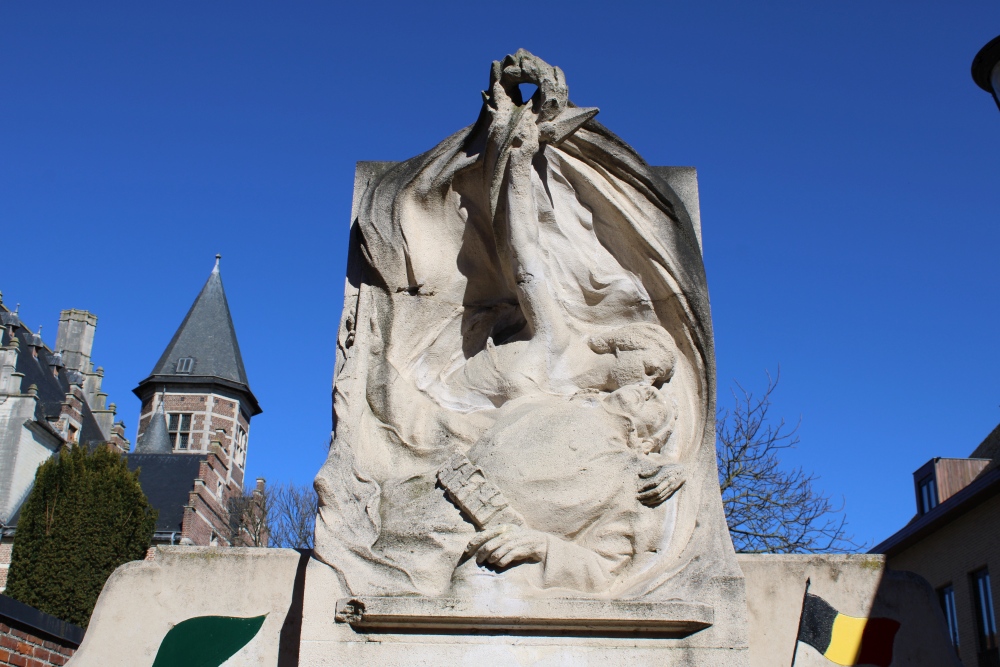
x=954 y=543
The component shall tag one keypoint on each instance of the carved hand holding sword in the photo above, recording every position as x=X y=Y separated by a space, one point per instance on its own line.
x=503 y=537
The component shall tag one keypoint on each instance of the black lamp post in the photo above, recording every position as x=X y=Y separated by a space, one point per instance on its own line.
x=986 y=69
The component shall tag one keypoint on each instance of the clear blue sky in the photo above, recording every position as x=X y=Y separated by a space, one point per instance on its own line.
x=848 y=169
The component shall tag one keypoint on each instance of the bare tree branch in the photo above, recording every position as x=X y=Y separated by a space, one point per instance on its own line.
x=282 y=516
x=292 y=516
x=770 y=509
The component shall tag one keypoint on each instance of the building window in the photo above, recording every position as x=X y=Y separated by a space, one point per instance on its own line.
x=241 y=444
x=218 y=489
x=185 y=365
x=986 y=621
x=927 y=491
x=180 y=429
x=946 y=595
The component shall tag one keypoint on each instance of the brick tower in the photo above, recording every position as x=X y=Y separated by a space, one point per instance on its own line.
x=195 y=422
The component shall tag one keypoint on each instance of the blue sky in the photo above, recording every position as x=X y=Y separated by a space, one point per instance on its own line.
x=848 y=169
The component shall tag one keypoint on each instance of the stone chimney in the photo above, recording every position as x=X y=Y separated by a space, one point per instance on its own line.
x=10 y=379
x=75 y=339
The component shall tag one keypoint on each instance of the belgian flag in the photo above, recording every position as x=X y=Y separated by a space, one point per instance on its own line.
x=846 y=640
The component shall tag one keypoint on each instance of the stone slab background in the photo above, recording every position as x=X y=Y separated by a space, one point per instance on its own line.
x=144 y=599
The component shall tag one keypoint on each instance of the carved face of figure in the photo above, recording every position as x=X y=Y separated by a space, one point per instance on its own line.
x=650 y=412
x=644 y=354
x=642 y=367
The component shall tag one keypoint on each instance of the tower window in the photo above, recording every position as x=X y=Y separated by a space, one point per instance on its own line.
x=241 y=445
x=179 y=426
x=185 y=365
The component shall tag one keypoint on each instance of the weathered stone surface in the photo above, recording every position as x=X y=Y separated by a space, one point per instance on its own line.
x=856 y=585
x=524 y=392
x=328 y=643
x=143 y=600
x=549 y=616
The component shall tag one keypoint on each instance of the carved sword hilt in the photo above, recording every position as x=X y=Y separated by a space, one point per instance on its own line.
x=474 y=494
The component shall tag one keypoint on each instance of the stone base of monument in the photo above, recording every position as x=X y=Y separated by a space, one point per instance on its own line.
x=340 y=629
x=308 y=619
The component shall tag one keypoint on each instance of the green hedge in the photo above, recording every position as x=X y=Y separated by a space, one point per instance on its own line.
x=85 y=516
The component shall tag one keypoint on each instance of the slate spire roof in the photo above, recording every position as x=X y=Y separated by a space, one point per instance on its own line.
x=204 y=350
x=155 y=439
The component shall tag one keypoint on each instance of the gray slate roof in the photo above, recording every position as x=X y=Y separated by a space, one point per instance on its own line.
x=207 y=337
x=52 y=388
x=167 y=480
x=155 y=439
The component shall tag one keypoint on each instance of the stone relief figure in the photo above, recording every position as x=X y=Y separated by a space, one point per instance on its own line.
x=524 y=391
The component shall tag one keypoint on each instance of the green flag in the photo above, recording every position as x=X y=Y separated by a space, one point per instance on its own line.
x=206 y=641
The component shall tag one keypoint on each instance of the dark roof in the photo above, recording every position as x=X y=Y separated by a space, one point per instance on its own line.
x=52 y=390
x=984 y=487
x=155 y=439
x=167 y=479
x=989 y=448
x=22 y=617
x=208 y=338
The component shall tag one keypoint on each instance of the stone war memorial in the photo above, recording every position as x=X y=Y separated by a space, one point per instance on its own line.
x=522 y=469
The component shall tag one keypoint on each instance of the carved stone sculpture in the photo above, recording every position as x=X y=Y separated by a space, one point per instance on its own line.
x=524 y=391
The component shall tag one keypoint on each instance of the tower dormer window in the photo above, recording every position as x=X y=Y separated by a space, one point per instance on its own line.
x=185 y=364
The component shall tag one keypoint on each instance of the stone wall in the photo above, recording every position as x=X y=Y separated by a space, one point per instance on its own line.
x=859 y=586
x=191 y=582
x=300 y=628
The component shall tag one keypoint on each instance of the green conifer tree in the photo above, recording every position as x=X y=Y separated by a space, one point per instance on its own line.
x=85 y=516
